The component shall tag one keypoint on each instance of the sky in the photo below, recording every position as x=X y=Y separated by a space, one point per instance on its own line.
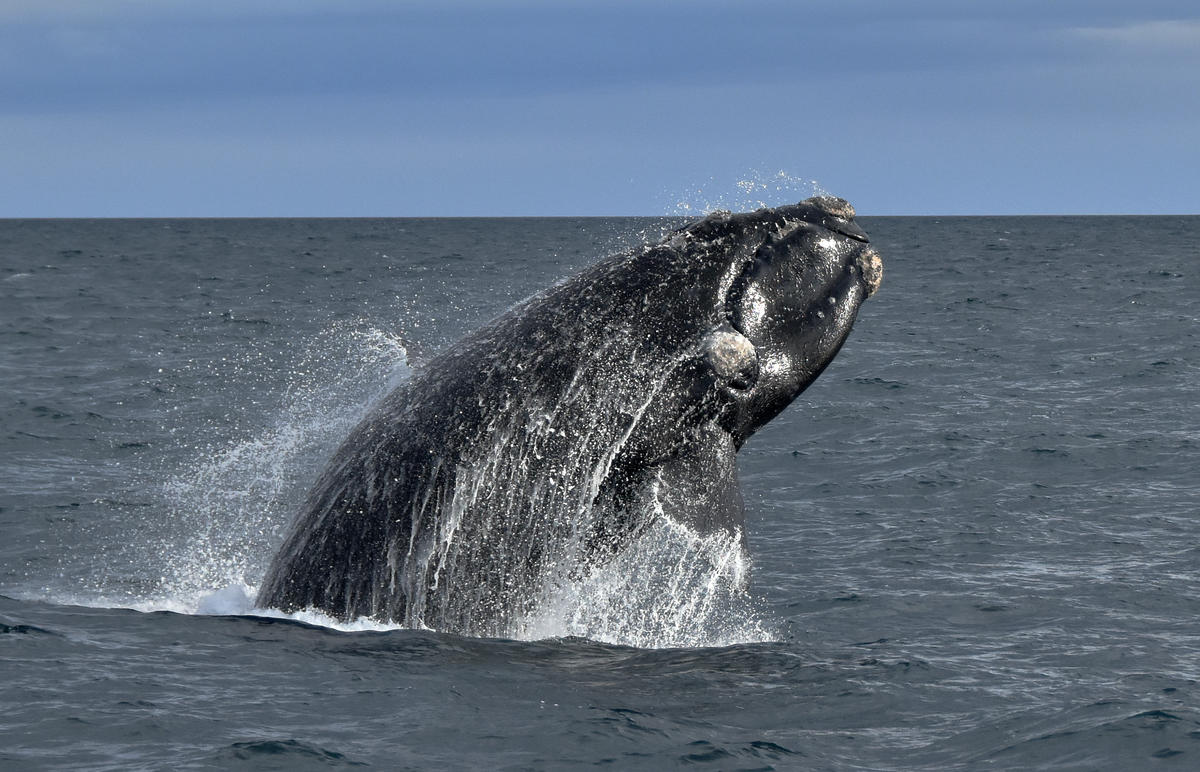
x=151 y=108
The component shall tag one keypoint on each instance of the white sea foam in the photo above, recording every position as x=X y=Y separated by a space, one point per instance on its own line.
x=238 y=600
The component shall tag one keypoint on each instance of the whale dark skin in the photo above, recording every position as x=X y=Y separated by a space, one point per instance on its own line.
x=541 y=444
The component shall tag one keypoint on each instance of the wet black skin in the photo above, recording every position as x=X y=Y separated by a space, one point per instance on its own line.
x=544 y=441
x=795 y=301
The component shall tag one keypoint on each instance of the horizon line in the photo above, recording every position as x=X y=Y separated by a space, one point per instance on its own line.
x=675 y=215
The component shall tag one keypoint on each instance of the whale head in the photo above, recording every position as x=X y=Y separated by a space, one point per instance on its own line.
x=797 y=279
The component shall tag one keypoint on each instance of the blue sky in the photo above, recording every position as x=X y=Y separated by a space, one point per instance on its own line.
x=345 y=108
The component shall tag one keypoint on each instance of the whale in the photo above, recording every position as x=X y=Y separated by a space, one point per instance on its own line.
x=539 y=446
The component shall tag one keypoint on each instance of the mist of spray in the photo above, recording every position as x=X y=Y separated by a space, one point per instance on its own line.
x=753 y=190
x=227 y=507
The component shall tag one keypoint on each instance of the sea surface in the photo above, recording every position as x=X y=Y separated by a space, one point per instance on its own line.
x=975 y=539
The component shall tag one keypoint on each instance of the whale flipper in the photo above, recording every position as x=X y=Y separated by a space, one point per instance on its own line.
x=699 y=488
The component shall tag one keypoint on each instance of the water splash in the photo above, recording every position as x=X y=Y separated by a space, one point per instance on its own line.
x=226 y=508
x=672 y=587
x=753 y=190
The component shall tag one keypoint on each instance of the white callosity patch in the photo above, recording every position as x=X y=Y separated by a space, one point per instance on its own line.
x=729 y=352
x=872 y=268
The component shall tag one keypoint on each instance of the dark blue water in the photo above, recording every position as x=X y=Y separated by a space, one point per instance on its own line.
x=976 y=539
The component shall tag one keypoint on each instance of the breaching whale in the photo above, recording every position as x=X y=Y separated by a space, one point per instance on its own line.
x=544 y=442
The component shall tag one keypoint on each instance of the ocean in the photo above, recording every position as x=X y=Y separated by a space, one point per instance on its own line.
x=975 y=540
